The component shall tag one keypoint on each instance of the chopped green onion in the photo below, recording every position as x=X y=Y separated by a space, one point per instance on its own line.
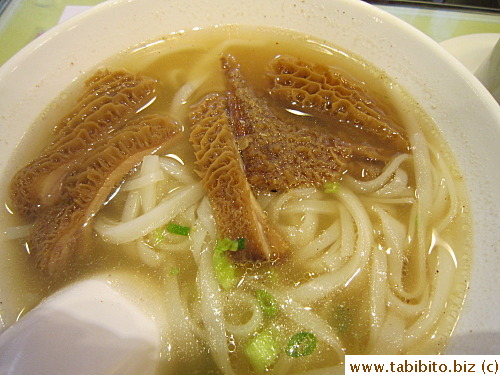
x=267 y=303
x=225 y=270
x=174 y=271
x=178 y=229
x=262 y=351
x=226 y=244
x=331 y=187
x=241 y=243
x=301 y=344
x=158 y=236
x=159 y=233
x=341 y=319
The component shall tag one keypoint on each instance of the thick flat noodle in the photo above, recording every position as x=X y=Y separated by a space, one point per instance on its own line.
x=318 y=89
x=237 y=213
x=58 y=228
x=110 y=100
x=279 y=153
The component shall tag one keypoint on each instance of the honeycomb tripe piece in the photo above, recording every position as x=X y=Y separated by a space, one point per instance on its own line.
x=58 y=228
x=278 y=153
x=118 y=90
x=110 y=100
x=237 y=212
x=319 y=89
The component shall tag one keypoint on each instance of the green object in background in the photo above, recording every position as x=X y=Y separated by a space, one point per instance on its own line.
x=442 y=24
x=24 y=20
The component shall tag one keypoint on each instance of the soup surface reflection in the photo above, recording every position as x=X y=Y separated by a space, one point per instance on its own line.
x=281 y=200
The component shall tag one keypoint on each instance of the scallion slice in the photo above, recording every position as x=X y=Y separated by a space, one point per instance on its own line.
x=267 y=303
x=174 y=271
x=301 y=344
x=262 y=351
x=331 y=187
x=225 y=270
x=178 y=229
x=241 y=243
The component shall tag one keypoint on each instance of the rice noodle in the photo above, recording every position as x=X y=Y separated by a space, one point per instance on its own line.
x=199 y=74
x=348 y=232
x=311 y=322
x=306 y=230
x=397 y=187
x=148 y=255
x=197 y=237
x=173 y=168
x=327 y=283
x=368 y=200
x=181 y=97
x=336 y=253
x=377 y=183
x=424 y=193
x=451 y=194
x=333 y=259
x=205 y=215
x=283 y=365
x=279 y=203
x=150 y=166
x=212 y=310
x=160 y=215
x=243 y=300
x=144 y=180
x=394 y=238
x=181 y=245
x=175 y=243
x=442 y=284
x=391 y=342
x=320 y=243
x=406 y=309
x=194 y=310
x=378 y=295
x=180 y=327
x=131 y=207
x=311 y=206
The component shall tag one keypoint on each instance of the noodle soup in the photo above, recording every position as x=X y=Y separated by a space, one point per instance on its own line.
x=372 y=257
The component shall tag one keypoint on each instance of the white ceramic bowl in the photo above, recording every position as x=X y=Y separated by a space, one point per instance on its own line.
x=465 y=112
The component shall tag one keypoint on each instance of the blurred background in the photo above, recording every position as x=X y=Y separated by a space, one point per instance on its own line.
x=471 y=4
x=21 y=21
